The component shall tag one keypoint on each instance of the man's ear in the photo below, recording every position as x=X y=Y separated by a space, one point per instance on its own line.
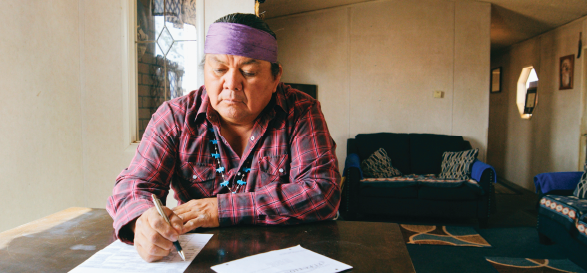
x=278 y=78
x=280 y=71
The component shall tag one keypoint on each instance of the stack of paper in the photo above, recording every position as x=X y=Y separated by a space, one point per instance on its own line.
x=294 y=259
x=120 y=257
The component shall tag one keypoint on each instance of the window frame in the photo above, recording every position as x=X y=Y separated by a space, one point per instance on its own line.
x=522 y=91
x=130 y=68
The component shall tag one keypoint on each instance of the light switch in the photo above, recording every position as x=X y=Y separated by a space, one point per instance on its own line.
x=438 y=94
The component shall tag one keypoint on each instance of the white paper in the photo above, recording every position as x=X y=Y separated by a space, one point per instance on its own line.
x=294 y=259
x=120 y=257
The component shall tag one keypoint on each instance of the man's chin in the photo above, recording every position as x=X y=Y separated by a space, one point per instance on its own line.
x=232 y=114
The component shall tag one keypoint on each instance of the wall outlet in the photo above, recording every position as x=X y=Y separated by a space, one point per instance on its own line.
x=438 y=94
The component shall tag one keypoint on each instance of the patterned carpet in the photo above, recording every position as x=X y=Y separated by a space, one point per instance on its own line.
x=526 y=265
x=442 y=235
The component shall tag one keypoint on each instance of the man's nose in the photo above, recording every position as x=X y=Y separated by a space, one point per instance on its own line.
x=233 y=80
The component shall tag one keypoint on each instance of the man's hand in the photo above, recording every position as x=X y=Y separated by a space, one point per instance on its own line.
x=198 y=213
x=153 y=236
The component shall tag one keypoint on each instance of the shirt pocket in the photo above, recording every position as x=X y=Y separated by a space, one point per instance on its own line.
x=274 y=168
x=198 y=179
x=198 y=172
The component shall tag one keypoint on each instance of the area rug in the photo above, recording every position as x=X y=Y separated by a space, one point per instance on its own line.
x=526 y=265
x=442 y=235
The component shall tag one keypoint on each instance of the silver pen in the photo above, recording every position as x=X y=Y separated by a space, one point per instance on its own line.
x=159 y=207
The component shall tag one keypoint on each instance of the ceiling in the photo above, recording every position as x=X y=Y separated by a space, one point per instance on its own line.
x=512 y=21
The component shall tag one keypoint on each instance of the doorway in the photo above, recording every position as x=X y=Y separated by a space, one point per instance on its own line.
x=583 y=138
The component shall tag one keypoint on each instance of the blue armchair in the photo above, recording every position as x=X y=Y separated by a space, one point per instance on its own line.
x=562 y=217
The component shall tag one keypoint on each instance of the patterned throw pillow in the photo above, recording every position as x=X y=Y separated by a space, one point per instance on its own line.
x=581 y=189
x=458 y=165
x=378 y=165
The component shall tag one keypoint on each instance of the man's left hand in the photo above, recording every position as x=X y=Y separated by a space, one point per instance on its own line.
x=198 y=213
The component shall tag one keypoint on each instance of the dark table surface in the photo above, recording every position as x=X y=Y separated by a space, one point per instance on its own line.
x=60 y=242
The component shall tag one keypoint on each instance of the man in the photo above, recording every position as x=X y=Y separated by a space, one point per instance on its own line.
x=242 y=149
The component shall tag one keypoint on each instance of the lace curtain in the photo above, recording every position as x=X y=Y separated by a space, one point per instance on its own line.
x=178 y=12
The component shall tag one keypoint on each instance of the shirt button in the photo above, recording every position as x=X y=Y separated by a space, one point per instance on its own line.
x=280 y=170
x=252 y=137
x=195 y=177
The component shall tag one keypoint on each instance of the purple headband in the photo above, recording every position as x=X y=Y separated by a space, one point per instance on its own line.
x=241 y=40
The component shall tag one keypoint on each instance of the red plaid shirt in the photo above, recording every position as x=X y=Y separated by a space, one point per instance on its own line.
x=294 y=173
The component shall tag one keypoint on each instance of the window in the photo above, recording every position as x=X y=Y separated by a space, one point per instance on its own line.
x=166 y=55
x=527 y=96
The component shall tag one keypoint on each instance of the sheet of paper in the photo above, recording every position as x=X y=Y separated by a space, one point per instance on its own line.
x=120 y=257
x=294 y=259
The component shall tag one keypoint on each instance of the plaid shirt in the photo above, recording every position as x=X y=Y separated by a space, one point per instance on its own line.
x=294 y=173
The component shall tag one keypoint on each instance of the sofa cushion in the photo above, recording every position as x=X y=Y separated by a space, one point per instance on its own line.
x=581 y=189
x=396 y=187
x=394 y=182
x=457 y=165
x=563 y=209
x=427 y=187
x=465 y=191
x=408 y=192
x=397 y=193
x=396 y=145
x=431 y=180
x=426 y=151
x=378 y=165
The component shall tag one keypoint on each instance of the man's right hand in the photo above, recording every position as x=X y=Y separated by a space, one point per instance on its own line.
x=153 y=236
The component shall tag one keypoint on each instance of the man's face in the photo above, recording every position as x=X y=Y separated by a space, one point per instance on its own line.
x=239 y=88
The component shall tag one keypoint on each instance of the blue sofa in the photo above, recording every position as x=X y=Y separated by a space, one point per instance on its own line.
x=419 y=192
x=562 y=217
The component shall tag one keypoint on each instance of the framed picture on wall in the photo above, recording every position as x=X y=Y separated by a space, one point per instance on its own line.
x=495 y=80
x=566 y=72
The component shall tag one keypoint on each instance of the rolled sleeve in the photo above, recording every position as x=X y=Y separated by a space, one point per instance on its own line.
x=149 y=173
x=236 y=209
x=131 y=212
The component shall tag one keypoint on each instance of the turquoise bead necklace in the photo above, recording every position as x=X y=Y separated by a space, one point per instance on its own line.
x=242 y=173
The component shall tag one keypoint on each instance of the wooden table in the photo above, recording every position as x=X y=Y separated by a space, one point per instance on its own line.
x=60 y=242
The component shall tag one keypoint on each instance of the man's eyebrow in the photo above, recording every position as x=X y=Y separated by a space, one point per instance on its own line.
x=217 y=60
x=251 y=61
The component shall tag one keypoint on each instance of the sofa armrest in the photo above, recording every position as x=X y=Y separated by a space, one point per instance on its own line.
x=486 y=180
x=352 y=161
x=479 y=169
x=352 y=174
x=556 y=181
x=350 y=193
x=485 y=175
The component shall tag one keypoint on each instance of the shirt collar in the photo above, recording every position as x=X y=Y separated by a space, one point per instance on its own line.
x=279 y=96
x=202 y=110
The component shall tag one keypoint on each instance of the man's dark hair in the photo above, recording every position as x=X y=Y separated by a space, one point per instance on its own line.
x=253 y=21
x=247 y=19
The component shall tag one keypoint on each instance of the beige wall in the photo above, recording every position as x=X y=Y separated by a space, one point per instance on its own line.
x=40 y=135
x=216 y=9
x=106 y=151
x=62 y=78
x=377 y=65
x=549 y=141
